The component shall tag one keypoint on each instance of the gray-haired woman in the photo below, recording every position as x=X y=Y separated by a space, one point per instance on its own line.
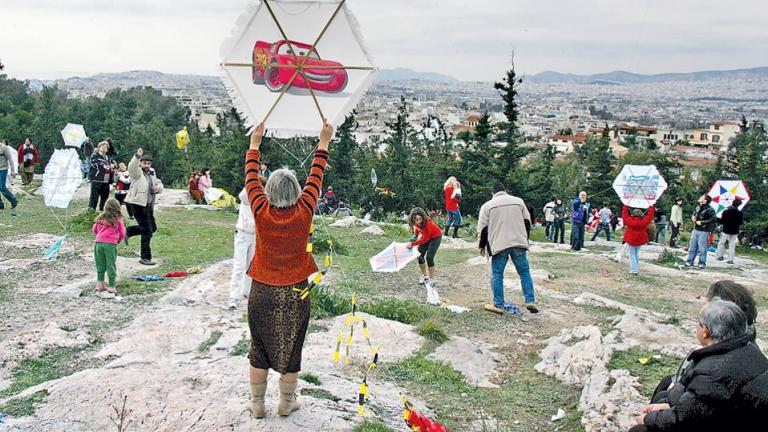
x=277 y=315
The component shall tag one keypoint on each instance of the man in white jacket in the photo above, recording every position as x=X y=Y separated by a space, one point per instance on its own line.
x=504 y=227
x=245 y=243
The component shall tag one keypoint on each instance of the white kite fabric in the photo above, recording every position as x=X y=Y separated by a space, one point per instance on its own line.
x=393 y=258
x=73 y=135
x=290 y=63
x=723 y=192
x=639 y=186
x=62 y=177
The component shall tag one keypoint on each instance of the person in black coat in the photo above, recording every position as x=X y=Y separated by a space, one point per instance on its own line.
x=102 y=176
x=718 y=387
x=731 y=220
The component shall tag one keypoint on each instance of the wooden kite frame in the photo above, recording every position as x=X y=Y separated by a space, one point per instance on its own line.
x=300 y=64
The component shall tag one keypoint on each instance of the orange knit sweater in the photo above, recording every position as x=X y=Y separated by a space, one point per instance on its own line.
x=281 y=257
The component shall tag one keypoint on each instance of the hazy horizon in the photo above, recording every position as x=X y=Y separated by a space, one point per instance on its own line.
x=53 y=39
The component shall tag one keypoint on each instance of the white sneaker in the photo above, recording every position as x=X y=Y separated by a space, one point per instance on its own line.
x=422 y=280
x=232 y=304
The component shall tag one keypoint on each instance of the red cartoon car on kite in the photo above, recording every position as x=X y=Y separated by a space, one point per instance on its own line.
x=273 y=67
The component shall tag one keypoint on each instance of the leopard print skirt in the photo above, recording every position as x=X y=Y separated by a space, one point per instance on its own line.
x=278 y=319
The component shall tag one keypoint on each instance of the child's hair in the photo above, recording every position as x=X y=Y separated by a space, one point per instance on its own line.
x=112 y=212
x=417 y=211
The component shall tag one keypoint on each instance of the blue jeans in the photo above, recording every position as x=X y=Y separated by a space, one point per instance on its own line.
x=602 y=227
x=499 y=263
x=558 y=228
x=698 y=245
x=3 y=189
x=634 y=258
x=454 y=218
x=577 y=236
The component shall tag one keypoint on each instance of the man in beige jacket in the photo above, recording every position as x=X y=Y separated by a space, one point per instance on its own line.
x=504 y=227
x=141 y=198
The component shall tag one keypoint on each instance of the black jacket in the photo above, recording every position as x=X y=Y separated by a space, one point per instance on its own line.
x=731 y=219
x=721 y=388
x=100 y=167
x=706 y=214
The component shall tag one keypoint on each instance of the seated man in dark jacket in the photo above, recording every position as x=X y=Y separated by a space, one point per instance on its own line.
x=718 y=386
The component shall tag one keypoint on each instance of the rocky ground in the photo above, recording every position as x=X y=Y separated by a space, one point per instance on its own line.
x=176 y=356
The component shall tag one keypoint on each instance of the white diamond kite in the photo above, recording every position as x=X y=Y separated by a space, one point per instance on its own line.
x=74 y=135
x=639 y=185
x=62 y=177
x=723 y=193
x=295 y=63
x=393 y=258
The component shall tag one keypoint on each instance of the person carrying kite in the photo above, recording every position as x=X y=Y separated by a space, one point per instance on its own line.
x=278 y=317
x=636 y=221
x=428 y=238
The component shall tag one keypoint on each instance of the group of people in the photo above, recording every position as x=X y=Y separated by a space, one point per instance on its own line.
x=644 y=225
x=109 y=226
x=198 y=184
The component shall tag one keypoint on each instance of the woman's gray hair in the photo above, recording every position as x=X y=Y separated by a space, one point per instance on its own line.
x=724 y=319
x=283 y=188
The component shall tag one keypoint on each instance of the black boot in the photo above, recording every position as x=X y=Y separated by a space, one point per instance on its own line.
x=445 y=232
x=455 y=230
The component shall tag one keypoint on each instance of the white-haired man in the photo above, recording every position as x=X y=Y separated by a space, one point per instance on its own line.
x=718 y=386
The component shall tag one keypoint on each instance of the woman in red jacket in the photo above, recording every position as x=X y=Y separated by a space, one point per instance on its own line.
x=28 y=158
x=636 y=221
x=428 y=237
x=452 y=193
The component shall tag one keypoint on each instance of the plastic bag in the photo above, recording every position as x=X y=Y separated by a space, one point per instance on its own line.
x=433 y=297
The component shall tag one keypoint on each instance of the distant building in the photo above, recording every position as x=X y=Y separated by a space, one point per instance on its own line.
x=564 y=144
x=468 y=125
x=717 y=137
x=642 y=134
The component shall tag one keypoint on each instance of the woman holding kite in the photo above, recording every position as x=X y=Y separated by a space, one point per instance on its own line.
x=282 y=262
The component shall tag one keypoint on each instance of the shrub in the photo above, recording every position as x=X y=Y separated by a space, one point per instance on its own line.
x=432 y=330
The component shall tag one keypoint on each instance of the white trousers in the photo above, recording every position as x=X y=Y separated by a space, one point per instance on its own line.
x=240 y=285
x=732 y=239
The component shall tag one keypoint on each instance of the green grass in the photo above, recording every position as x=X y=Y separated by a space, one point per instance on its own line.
x=524 y=399
x=52 y=364
x=369 y=426
x=310 y=378
x=211 y=341
x=648 y=375
x=404 y=311
x=23 y=407
x=327 y=303
x=241 y=347
x=668 y=258
x=432 y=330
x=320 y=394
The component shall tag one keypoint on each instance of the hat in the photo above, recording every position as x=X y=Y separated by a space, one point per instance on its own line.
x=146 y=158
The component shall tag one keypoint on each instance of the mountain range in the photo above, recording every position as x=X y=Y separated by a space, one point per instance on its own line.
x=623 y=77
x=163 y=80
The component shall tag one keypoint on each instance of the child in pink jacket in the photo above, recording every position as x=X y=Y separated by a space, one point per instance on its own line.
x=110 y=230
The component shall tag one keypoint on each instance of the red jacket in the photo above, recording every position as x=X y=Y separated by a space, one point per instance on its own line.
x=429 y=232
x=451 y=204
x=636 y=229
x=35 y=157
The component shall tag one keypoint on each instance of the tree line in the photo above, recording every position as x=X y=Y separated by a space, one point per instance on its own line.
x=411 y=165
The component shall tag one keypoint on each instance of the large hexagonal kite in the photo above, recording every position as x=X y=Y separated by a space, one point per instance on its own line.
x=639 y=185
x=295 y=63
x=723 y=192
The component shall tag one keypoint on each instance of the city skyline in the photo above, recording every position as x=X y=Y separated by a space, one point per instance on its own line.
x=48 y=39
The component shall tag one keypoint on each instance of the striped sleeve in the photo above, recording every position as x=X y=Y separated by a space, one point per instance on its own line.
x=253 y=186
x=314 y=184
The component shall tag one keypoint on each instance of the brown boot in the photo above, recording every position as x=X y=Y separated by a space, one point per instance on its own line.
x=256 y=403
x=288 y=402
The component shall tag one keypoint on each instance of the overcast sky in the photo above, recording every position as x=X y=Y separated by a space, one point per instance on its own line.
x=467 y=39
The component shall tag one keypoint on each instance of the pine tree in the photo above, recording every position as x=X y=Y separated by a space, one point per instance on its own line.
x=509 y=156
x=344 y=174
x=599 y=170
x=751 y=152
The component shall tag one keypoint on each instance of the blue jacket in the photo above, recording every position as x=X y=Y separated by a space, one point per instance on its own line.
x=580 y=212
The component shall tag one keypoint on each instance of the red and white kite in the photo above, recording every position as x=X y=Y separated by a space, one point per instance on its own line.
x=295 y=63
